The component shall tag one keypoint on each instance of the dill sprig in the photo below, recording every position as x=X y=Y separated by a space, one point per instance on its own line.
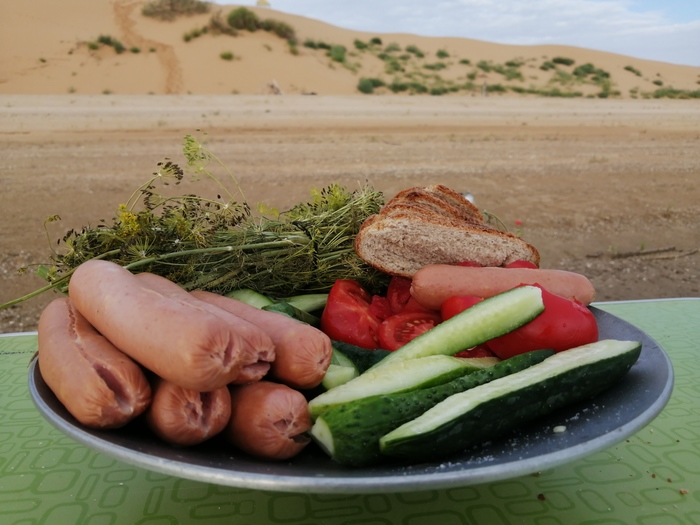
x=216 y=243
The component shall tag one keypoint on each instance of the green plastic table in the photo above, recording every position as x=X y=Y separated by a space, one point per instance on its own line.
x=652 y=478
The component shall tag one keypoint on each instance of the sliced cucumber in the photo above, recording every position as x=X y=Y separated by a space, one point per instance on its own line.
x=489 y=410
x=362 y=358
x=340 y=371
x=293 y=312
x=310 y=302
x=486 y=320
x=350 y=432
x=250 y=297
x=400 y=376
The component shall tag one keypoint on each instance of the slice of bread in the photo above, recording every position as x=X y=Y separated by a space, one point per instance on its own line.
x=432 y=225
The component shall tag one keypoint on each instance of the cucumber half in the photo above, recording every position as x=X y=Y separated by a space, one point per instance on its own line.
x=400 y=376
x=486 y=320
x=350 y=432
x=487 y=411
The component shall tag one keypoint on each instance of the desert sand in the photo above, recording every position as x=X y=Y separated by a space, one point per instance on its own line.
x=609 y=187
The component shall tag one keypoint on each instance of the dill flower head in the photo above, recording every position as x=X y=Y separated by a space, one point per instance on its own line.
x=127 y=222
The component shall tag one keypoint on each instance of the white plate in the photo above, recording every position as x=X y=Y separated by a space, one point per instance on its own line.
x=590 y=427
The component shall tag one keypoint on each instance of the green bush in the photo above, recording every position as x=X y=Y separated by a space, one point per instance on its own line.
x=496 y=88
x=511 y=73
x=368 y=85
x=195 y=33
x=107 y=40
x=392 y=65
x=669 y=92
x=360 y=45
x=465 y=61
x=484 y=66
x=597 y=75
x=547 y=65
x=244 y=18
x=658 y=82
x=437 y=66
x=337 y=53
x=171 y=9
x=414 y=49
x=393 y=47
x=441 y=53
x=316 y=45
x=634 y=70
x=226 y=55
x=564 y=61
x=281 y=29
x=376 y=41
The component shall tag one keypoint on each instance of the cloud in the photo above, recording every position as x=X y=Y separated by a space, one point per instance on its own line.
x=607 y=25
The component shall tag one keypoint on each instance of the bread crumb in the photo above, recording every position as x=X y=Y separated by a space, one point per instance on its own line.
x=683 y=491
x=559 y=429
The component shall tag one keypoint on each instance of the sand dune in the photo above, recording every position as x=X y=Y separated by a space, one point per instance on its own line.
x=45 y=48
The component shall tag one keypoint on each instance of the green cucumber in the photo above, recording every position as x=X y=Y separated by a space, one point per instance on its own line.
x=293 y=312
x=486 y=320
x=490 y=410
x=400 y=376
x=350 y=432
x=250 y=297
x=340 y=371
x=310 y=302
x=362 y=358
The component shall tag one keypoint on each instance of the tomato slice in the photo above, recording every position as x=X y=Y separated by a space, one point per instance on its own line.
x=398 y=293
x=347 y=316
x=379 y=307
x=457 y=304
x=563 y=324
x=399 y=329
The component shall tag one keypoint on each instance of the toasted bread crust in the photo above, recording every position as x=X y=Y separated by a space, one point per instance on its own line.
x=422 y=226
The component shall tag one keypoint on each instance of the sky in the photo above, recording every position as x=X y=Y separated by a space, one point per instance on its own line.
x=664 y=30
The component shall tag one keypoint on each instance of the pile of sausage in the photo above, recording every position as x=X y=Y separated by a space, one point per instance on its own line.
x=193 y=365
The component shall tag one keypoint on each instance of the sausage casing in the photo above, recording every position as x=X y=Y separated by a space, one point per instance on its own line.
x=97 y=383
x=175 y=339
x=268 y=420
x=302 y=352
x=184 y=417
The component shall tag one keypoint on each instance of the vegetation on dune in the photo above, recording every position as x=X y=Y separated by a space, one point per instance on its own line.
x=409 y=69
x=171 y=9
x=108 y=41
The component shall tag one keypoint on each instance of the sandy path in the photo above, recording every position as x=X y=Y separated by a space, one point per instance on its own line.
x=123 y=11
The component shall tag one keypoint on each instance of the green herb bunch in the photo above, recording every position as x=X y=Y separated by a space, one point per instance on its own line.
x=217 y=244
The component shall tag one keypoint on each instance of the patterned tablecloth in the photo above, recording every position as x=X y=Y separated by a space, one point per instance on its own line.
x=652 y=478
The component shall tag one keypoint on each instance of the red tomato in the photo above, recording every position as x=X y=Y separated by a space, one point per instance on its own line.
x=398 y=293
x=521 y=264
x=457 y=304
x=399 y=329
x=379 y=307
x=347 y=316
x=399 y=296
x=562 y=325
x=477 y=351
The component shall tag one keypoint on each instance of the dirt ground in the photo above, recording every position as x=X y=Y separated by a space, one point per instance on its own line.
x=610 y=189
